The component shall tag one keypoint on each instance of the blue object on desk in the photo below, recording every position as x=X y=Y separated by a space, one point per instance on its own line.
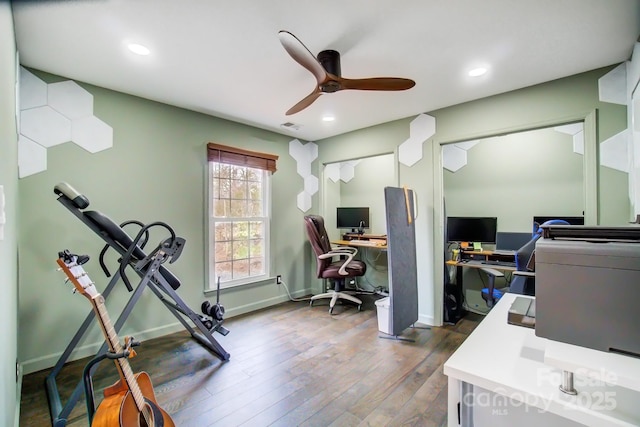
x=497 y=293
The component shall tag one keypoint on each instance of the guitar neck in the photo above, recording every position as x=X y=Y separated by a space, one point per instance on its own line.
x=122 y=363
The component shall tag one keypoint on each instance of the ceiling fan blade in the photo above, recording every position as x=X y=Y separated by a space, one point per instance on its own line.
x=302 y=55
x=377 y=83
x=306 y=101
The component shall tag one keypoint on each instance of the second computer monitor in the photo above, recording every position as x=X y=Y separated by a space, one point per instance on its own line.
x=509 y=241
x=353 y=218
x=472 y=229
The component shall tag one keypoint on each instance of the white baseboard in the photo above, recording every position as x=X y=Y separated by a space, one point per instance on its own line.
x=258 y=305
x=426 y=320
x=48 y=361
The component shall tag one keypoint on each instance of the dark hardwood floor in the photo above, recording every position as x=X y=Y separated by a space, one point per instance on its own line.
x=291 y=365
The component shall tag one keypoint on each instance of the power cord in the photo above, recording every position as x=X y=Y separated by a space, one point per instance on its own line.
x=290 y=296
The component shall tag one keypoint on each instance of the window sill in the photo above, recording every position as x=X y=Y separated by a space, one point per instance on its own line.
x=257 y=282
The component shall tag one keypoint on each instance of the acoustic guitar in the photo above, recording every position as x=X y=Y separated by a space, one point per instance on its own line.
x=131 y=401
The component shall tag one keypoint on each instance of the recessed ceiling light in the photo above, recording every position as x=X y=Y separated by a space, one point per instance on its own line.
x=477 y=72
x=138 y=49
x=328 y=118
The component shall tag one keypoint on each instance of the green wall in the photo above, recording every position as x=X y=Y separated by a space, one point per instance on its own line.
x=9 y=388
x=553 y=102
x=155 y=171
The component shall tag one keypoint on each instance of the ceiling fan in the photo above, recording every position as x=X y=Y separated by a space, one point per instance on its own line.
x=326 y=69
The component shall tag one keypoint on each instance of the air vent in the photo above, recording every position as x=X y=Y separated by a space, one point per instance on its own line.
x=290 y=126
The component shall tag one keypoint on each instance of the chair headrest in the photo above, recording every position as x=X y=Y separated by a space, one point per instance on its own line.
x=550 y=222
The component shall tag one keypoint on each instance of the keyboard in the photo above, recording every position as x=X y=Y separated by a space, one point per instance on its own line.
x=504 y=252
x=501 y=263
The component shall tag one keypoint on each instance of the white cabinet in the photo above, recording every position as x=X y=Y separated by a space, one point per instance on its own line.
x=504 y=375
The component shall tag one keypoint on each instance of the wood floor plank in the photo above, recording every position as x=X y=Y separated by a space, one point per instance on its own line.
x=291 y=365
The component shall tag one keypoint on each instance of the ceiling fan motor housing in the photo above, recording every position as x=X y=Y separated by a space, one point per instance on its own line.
x=330 y=61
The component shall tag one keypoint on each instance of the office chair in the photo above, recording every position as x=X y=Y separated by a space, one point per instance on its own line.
x=330 y=268
x=523 y=280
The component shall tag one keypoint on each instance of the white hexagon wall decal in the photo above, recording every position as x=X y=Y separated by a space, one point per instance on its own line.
x=570 y=129
x=92 y=134
x=612 y=87
x=304 y=201
x=312 y=151
x=33 y=91
x=303 y=168
x=54 y=114
x=32 y=157
x=332 y=171
x=311 y=184
x=410 y=151
x=420 y=129
x=453 y=157
x=614 y=152
x=467 y=145
x=45 y=126
x=578 y=143
x=70 y=99
x=304 y=155
x=296 y=150
x=347 y=171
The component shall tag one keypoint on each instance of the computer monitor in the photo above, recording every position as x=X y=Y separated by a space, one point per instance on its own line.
x=538 y=220
x=352 y=217
x=511 y=241
x=472 y=229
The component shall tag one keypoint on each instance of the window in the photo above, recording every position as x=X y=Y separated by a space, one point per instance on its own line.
x=239 y=211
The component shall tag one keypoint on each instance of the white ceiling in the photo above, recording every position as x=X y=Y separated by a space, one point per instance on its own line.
x=224 y=58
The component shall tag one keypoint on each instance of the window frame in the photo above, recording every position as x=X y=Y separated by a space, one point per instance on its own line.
x=238 y=158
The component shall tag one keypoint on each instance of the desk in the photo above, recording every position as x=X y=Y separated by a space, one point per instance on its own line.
x=360 y=244
x=356 y=236
x=376 y=265
x=504 y=375
x=476 y=262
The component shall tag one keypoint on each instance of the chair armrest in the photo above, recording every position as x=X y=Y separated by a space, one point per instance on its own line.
x=492 y=272
x=347 y=251
x=524 y=273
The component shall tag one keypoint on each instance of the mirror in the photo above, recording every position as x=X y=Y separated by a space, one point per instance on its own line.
x=525 y=174
x=515 y=177
x=361 y=183
x=358 y=183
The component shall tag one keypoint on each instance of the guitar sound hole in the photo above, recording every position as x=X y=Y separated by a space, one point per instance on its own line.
x=153 y=414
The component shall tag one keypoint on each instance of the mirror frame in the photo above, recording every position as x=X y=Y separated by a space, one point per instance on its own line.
x=590 y=187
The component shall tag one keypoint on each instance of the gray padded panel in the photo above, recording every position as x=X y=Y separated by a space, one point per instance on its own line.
x=401 y=242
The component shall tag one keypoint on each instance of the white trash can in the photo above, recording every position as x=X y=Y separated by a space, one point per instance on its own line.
x=384 y=321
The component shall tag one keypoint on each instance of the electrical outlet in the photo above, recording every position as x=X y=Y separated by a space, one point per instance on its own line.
x=278 y=280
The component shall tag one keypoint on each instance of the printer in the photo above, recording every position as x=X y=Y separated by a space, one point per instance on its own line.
x=588 y=287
